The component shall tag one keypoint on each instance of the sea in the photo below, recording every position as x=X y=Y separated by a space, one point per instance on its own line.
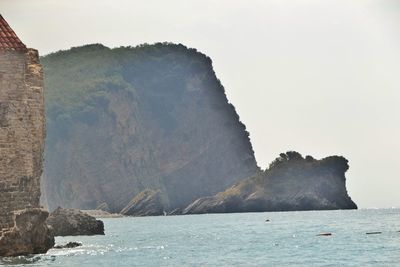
x=365 y=237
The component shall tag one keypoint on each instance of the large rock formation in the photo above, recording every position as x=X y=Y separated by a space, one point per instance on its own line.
x=146 y=203
x=291 y=183
x=22 y=133
x=69 y=222
x=29 y=235
x=124 y=120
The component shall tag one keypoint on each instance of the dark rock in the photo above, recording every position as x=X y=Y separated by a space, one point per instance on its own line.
x=30 y=234
x=69 y=245
x=325 y=234
x=374 y=233
x=67 y=222
x=291 y=183
x=146 y=203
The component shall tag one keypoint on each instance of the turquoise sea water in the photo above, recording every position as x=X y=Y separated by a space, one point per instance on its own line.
x=241 y=239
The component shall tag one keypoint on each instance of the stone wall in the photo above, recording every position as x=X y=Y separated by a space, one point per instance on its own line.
x=22 y=132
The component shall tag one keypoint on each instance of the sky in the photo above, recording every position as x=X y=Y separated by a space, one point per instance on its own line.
x=318 y=77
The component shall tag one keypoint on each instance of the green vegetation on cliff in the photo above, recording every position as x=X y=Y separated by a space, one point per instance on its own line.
x=123 y=120
x=78 y=80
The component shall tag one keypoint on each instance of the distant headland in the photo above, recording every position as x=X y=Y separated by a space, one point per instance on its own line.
x=148 y=130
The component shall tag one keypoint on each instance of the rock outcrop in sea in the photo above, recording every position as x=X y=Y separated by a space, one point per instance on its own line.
x=71 y=222
x=22 y=133
x=124 y=120
x=29 y=235
x=290 y=183
x=68 y=245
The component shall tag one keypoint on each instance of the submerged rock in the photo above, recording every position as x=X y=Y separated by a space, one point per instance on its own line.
x=146 y=203
x=67 y=222
x=325 y=234
x=69 y=245
x=30 y=234
x=373 y=233
x=291 y=183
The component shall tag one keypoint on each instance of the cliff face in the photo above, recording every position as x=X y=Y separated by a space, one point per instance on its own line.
x=291 y=183
x=22 y=133
x=124 y=120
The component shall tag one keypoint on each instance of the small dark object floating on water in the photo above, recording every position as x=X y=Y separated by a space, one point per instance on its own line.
x=69 y=245
x=373 y=233
x=325 y=234
x=267 y=220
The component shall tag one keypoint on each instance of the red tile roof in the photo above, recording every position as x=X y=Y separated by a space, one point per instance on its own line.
x=8 y=39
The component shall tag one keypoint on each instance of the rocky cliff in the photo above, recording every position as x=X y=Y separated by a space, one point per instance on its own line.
x=290 y=183
x=124 y=120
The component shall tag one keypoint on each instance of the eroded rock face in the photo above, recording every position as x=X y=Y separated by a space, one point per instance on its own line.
x=291 y=183
x=70 y=222
x=30 y=234
x=147 y=117
x=146 y=203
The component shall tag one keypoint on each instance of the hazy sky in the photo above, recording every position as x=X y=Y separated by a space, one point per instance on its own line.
x=319 y=77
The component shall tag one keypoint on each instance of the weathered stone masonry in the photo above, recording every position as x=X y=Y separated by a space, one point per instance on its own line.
x=22 y=132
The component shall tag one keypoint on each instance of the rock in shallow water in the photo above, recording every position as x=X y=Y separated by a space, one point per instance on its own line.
x=66 y=222
x=30 y=234
x=69 y=245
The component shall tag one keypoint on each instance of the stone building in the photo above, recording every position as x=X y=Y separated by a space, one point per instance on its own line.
x=22 y=132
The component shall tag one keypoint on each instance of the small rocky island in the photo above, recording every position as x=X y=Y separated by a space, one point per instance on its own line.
x=290 y=183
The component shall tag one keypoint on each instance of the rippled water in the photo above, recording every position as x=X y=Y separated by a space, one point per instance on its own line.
x=246 y=239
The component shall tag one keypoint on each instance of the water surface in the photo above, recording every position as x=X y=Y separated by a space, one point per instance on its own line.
x=241 y=239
